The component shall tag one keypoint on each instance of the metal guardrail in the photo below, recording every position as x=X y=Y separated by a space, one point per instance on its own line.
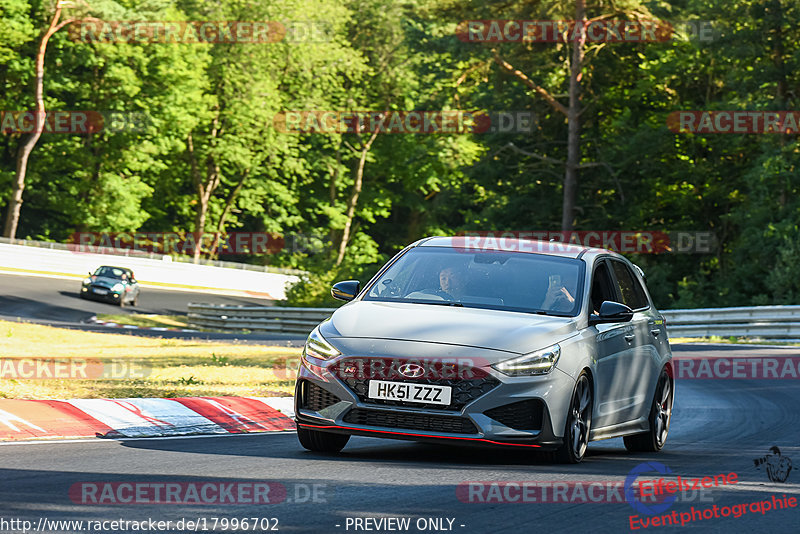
x=769 y=322
x=271 y=319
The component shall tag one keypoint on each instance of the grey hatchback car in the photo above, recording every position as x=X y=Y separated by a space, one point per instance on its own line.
x=513 y=343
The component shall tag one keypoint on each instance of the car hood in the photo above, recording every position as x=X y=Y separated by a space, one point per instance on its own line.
x=104 y=281
x=488 y=329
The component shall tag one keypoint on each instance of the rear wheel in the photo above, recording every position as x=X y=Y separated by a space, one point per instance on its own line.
x=660 y=414
x=317 y=441
x=579 y=423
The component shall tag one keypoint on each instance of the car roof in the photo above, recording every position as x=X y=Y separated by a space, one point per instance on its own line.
x=512 y=244
x=114 y=267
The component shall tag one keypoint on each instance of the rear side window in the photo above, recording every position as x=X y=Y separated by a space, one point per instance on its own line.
x=602 y=287
x=631 y=290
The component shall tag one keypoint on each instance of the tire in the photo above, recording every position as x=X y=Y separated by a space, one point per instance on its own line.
x=317 y=441
x=660 y=416
x=579 y=423
x=135 y=301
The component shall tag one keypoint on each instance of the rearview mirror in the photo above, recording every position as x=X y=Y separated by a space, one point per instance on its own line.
x=611 y=312
x=346 y=290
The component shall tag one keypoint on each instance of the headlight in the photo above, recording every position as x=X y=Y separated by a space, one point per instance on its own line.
x=317 y=347
x=536 y=363
x=87 y=281
x=117 y=287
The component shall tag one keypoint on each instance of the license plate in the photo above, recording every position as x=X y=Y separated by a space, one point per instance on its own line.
x=407 y=392
x=101 y=291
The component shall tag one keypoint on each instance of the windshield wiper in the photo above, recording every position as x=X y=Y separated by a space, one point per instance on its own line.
x=550 y=314
x=438 y=303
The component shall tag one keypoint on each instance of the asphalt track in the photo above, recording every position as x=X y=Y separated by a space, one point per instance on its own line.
x=719 y=426
x=56 y=302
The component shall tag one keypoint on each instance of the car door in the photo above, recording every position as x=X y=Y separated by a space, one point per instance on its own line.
x=641 y=360
x=613 y=343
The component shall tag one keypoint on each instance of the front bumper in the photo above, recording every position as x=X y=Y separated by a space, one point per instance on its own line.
x=502 y=410
x=87 y=292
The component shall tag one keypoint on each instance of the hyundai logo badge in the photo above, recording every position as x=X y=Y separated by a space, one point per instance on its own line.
x=411 y=370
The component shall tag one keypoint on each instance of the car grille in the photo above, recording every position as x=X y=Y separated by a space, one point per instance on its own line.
x=409 y=421
x=464 y=390
x=522 y=415
x=317 y=398
x=93 y=286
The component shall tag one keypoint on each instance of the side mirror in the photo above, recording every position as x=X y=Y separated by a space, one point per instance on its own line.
x=346 y=290
x=611 y=312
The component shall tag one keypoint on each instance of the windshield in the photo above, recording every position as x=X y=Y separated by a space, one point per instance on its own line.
x=111 y=272
x=515 y=281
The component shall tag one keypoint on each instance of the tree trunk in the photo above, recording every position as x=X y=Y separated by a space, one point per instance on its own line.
x=226 y=210
x=332 y=187
x=573 y=119
x=15 y=202
x=205 y=187
x=351 y=205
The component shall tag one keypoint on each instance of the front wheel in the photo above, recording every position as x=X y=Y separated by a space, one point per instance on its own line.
x=579 y=423
x=317 y=441
x=660 y=415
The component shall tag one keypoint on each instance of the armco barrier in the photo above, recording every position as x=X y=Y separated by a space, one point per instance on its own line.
x=257 y=318
x=780 y=322
x=768 y=322
x=58 y=259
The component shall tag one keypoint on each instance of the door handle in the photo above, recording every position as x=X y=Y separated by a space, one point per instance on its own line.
x=655 y=332
x=629 y=338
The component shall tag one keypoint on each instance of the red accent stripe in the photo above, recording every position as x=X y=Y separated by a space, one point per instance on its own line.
x=420 y=435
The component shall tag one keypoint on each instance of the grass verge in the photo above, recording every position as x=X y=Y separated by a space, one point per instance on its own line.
x=163 y=367
x=146 y=320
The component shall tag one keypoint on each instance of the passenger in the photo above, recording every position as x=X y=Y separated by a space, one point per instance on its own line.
x=558 y=297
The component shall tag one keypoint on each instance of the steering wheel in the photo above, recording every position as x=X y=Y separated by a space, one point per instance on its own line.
x=445 y=295
x=561 y=303
x=442 y=294
x=390 y=290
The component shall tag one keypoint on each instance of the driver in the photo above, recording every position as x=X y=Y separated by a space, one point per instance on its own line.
x=452 y=282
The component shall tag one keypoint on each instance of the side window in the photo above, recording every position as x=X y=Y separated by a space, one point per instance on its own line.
x=602 y=287
x=632 y=293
